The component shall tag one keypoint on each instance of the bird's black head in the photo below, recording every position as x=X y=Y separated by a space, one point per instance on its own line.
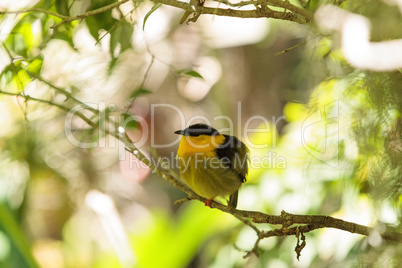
x=197 y=130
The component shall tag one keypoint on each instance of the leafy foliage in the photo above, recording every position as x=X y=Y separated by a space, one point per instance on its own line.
x=348 y=163
x=152 y=10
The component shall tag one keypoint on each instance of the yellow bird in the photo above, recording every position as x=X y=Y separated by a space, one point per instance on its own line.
x=212 y=164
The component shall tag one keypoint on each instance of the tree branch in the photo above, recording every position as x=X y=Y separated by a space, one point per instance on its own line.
x=288 y=6
x=312 y=222
x=35 y=9
x=28 y=98
x=62 y=107
x=64 y=18
x=305 y=223
x=91 y=13
x=262 y=10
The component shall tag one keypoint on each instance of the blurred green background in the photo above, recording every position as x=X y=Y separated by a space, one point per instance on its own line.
x=71 y=196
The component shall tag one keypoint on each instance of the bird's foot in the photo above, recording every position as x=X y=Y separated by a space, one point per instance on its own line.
x=208 y=203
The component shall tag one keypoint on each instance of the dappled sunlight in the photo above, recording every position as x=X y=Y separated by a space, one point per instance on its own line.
x=90 y=103
x=356 y=45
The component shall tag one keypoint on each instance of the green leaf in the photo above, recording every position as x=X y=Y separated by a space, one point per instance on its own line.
x=62 y=7
x=140 y=92
x=7 y=74
x=191 y=73
x=100 y=21
x=64 y=32
x=21 y=39
x=312 y=5
x=46 y=4
x=20 y=80
x=155 y=7
x=90 y=135
x=121 y=34
x=11 y=228
x=24 y=39
x=127 y=121
x=36 y=65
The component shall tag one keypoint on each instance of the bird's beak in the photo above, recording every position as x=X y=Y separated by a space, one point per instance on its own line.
x=179 y=132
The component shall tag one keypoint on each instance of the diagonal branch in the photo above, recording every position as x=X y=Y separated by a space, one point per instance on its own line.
x=62 y=107
x=64 y=18
x=35 y=9
x=308 y=222
x=312 y=222
x=300 y=17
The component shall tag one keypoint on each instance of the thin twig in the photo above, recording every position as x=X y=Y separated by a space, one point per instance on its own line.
x=143 y=81
x=65 y=19
x=290 y=48
x=181 y=201
x=36 y=9
x=254 y=250
x=288 y=6
x=64 y=108
x=28 y=98
x=247 y=222
x=18 y=82
x=296 y=14
x=238 y=4
x=63 y=92
x=308 y=222
x=109 y=31
x=90 y=13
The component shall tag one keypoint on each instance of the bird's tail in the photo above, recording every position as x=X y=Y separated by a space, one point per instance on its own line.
x=233 y=199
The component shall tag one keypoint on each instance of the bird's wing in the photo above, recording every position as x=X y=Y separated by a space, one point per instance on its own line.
x=235 y=154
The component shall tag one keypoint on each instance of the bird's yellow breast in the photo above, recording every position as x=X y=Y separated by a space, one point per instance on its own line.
x=202 y=144
x=201 y=169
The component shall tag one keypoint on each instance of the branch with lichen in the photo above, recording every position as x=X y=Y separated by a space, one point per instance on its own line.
x=261 y=10
x=64 y=18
